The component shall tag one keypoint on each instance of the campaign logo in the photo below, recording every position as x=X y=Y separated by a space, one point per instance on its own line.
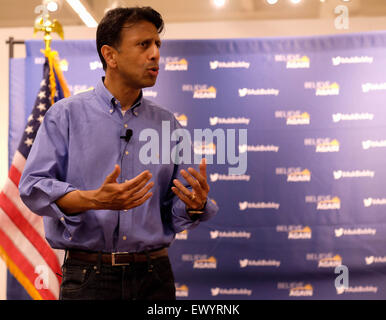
x=357 y=289
x=354 y=232
x=79 y=88
x=200 y=91
x=294 y=61
x=333 y=204
x=299 y=176
x=367 y=87
x=368 y=202
x=176 y=64
x=336 y=61
x=233 y=291
x=303 y=291
x=340 y=174
x=258 y=148
x=323 y=144
x=149 y=93
x=258 y=92
x=259 y=263
x=295 y=231
x=298 y=63
x=181 y=118
x=324 y=202
x=304 y=233
x=323 y=88
x=337 y=117
x=231 y=64
x=217 y=120
x=201 y=147
x=371 y=259
x=231 y=177
x=296 y=289
x=207 y=93
x=215 y=234
x=294 y=117
x=183 y=235
x=330 y=262
x=325 y=260
x=294 y=174
x=94 y=65
x=258 y=205
x=301 y=119
x=367 y=144
x=209 y=263
x=182 y=291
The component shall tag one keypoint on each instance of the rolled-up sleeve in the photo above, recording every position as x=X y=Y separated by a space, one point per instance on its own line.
x=42 y=181
x=182 y=220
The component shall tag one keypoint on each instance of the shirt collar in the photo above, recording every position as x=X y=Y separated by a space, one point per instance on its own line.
x=113 y=103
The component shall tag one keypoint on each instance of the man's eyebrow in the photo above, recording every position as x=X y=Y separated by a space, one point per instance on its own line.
x=150 y=39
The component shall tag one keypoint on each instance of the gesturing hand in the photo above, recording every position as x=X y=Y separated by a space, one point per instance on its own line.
x=196 y=198
x=123 y=196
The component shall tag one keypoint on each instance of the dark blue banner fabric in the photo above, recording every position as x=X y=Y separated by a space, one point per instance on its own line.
x=304 y=215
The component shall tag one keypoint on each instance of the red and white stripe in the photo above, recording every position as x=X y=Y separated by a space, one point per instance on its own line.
x=22 y=235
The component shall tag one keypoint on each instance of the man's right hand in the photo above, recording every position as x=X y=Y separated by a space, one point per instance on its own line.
x=122 y=196
x=111 y=195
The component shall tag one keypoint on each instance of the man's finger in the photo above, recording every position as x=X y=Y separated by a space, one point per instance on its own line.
x=132 y=188
x=113 y=176
x=182 y=188
x=200 y=179
x=140 y=201
x=183 y=197
x=142 y=192
x=203 y=168
x=194 y=183
x=143 y=176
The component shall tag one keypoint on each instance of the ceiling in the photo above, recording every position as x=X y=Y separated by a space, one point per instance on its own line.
x=20 y=13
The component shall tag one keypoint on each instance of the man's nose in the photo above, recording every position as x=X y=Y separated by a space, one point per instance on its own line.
x=154 y=54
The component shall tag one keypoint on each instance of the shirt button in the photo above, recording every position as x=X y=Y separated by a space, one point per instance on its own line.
x=111 y=110
x=62 y=219
x=124 y=238
x=127 y=152
x=125 y=125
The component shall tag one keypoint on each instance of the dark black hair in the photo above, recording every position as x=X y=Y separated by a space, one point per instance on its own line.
x=109 y=29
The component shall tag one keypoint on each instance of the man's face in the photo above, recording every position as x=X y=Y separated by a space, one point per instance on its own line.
x=138 y=55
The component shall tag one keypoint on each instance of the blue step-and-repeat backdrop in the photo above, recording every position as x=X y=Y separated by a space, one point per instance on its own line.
x=313 y=196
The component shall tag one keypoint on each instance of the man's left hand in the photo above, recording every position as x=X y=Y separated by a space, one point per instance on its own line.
x=197 y=197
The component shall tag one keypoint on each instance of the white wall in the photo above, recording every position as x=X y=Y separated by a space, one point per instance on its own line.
x=208 y=30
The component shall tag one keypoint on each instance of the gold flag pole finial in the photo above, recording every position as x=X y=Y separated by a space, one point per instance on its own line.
x=45 y=24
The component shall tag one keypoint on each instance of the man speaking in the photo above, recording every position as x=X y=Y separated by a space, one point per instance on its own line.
x=114 y=215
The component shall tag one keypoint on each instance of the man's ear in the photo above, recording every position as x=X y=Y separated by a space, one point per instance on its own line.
x=109 y=54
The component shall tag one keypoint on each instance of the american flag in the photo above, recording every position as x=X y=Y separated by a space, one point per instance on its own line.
x=23 y=246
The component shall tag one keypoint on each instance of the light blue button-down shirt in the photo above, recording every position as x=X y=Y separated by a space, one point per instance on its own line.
x=76 y=147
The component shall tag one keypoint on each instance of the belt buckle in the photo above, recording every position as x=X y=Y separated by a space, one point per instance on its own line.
x=113 y=263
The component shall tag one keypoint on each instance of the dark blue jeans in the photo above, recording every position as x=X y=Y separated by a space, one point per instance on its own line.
x=137 y=281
